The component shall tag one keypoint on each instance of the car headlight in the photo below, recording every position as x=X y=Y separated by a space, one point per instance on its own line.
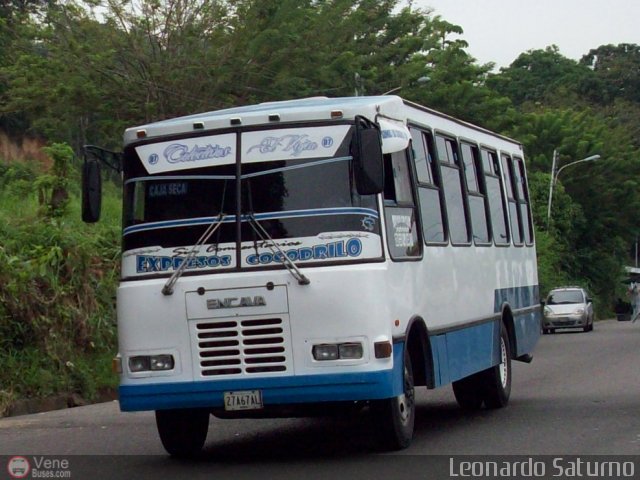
x=547 y=311
x=579 y=311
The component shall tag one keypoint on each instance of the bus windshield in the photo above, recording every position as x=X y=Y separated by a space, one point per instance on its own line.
x=308 y=206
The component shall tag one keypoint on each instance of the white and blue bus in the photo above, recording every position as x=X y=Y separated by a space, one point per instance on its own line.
x=319 y=254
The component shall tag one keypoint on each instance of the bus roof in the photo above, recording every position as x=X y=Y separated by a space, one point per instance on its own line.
x=304 y=109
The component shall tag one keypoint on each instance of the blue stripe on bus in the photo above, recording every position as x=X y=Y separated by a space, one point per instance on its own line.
x=516 y=297
x=259 y=216
x=275 y=391
x=463 y=352
x=527 y=324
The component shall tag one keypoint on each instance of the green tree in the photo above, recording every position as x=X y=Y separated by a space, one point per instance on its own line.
x=617 y=69
x=543 y=76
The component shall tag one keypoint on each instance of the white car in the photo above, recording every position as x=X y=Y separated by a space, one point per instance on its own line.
x=568 y=307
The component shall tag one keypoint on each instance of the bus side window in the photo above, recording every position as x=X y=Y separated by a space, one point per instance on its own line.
x=454 y=196
x=477 y=194
x=523 y=194
x=429 y=187
x=397 y=189
x=512 y=196
x=495 y=196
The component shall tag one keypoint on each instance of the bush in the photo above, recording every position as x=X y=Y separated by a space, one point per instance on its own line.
x=58 y=278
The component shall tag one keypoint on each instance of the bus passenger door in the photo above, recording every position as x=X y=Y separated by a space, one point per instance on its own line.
x=400 y=209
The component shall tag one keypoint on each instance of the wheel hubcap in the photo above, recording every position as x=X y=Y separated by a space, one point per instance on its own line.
x=504 y=374
x=405 y=401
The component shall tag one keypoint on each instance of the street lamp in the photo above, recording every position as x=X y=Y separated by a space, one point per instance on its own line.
x=555 y=175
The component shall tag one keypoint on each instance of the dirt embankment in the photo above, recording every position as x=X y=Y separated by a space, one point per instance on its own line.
x=23 y=150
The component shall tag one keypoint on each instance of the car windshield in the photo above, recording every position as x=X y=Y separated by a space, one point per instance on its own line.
x=563 y=297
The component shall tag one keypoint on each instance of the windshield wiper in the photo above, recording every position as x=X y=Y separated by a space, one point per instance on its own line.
x=273 y=246
x=215 y=225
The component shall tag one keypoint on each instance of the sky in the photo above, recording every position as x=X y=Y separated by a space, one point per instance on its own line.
x=500 y=30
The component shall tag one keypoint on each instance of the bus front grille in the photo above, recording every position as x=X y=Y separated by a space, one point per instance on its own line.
x=229 y=347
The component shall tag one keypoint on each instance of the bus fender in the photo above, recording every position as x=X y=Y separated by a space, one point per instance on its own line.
x=416 y=339
x=507 y=319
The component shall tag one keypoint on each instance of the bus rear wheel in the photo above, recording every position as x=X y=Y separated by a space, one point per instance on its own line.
x=395 y=417
x=497 y=379
x=491 y=386
x=182 y=431
x=469 y=393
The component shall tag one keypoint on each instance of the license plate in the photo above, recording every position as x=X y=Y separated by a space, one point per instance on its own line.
x=243 y=400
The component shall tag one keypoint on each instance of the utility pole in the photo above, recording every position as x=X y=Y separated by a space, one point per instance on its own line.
x=553 y=176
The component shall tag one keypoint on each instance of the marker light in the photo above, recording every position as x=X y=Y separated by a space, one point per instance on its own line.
x=336 y=114
x=382 y=349
x=116 y=365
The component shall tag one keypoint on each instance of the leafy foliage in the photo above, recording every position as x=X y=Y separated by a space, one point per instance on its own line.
x=57 y=278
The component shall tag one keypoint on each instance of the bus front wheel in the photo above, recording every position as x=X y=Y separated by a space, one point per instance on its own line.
x=395 y=416
x=182 y=431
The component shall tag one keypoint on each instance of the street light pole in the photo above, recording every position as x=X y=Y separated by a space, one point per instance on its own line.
x=555 y=175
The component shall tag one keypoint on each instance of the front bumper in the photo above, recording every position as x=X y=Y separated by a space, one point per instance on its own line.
x=275 y=391
x=564 y=321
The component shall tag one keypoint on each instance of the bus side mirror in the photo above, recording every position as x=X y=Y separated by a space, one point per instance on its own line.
x=91 y=191
x=367 y=158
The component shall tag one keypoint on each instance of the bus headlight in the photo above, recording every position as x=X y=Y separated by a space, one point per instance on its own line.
x=350 y=350
x=141 y=363
x=325 y=352
x=337 y=351
x=145 y=363
x=162 y=362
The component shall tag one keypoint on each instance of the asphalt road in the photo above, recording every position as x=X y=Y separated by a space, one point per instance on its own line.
x=579 y=396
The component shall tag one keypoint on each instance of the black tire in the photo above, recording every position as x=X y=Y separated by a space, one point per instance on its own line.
x=497 y=380
x=469 y=392
x=395 y=417
x=182 y=432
